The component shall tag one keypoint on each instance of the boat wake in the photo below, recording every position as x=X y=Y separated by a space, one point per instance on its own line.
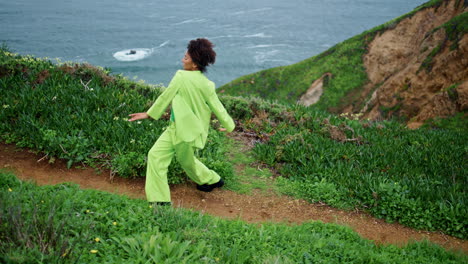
x=137 y=53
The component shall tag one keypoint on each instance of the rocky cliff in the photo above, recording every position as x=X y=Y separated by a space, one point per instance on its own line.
x=413 y=68
x=419 y=69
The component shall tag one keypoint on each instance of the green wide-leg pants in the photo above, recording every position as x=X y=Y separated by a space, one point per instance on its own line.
x=159 y=159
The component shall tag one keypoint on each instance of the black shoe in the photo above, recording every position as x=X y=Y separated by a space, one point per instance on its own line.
x=210 y=187
x=161 y=203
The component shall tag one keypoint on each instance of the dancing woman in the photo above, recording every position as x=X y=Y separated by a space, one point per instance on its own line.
x=193 y=99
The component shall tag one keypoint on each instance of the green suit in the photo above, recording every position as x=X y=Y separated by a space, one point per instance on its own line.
x=193 y=99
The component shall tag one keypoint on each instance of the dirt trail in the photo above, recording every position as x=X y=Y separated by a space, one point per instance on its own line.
x=257 y=207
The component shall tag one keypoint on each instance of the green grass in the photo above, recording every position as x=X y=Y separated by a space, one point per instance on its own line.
x=76 y=112
x=97 y=227
x=344 y=61
x=249 y=174
x=417 y=178
x=414 y=177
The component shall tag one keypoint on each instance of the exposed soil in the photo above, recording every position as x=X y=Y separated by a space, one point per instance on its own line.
x=254 y=208
x=399 y=81
x=407 y=77
x=314 y=92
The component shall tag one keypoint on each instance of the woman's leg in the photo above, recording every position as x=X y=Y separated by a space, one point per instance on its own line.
x=196 y=170
x=159 y=159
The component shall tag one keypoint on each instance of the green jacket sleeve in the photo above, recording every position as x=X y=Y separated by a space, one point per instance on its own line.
x=165 y=98
x=218 y=109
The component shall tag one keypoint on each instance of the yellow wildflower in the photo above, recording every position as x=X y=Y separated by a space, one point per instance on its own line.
x=97 y=239
x=114 y=223
x=93 y=251
x=10 y=190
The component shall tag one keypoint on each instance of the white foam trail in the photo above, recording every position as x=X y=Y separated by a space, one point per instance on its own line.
x=199 y=20
x=161 y=45
x=252 y=11
x=259 y=35
x=218 y=37
x=262 y=57
x=268 y=46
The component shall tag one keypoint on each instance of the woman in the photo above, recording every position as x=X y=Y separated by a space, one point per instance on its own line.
x=193 y=98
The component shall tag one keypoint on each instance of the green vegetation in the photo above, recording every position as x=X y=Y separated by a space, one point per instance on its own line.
x=64 y=224
x=288 y=83
x=415 y=177
x=343 y=61
x=79 y=112
x=418 y=178
x=250 y=174
x=458 y=122
x=455 y=29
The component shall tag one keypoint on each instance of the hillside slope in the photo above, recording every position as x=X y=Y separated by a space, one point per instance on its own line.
x=413 y=67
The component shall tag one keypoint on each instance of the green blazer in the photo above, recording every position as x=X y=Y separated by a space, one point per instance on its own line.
x=193 y=99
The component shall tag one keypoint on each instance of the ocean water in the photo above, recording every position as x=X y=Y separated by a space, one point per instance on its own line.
x=249 y=35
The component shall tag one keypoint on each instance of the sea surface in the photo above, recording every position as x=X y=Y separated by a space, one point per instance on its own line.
x=249 y=35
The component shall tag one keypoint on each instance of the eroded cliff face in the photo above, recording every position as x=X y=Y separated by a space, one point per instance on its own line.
x=406 y=80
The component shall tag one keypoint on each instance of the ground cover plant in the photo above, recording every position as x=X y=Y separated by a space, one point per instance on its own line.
x=416 y=177
x=79 y=112
x=88 y=226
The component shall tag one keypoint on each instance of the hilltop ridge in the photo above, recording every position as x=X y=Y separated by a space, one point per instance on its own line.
x=414 y=68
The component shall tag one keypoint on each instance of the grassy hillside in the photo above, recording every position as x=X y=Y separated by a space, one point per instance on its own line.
x=77 y=112
x=64 y=224
x=344 y=61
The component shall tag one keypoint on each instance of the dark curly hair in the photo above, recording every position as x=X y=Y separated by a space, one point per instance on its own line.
x=202 y=53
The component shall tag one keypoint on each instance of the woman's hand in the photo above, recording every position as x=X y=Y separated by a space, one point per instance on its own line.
x=137 y=116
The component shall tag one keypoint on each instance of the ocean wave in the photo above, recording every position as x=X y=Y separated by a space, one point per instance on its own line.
x=218 y=37
x=251 y=11
x=263 y=56
x=196 y=20
x=268 y=46
x=258 y=35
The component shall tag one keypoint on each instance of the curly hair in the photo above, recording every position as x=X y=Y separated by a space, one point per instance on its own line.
x=202 y=53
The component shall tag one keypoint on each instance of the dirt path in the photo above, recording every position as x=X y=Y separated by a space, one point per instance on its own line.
x=257 y=207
